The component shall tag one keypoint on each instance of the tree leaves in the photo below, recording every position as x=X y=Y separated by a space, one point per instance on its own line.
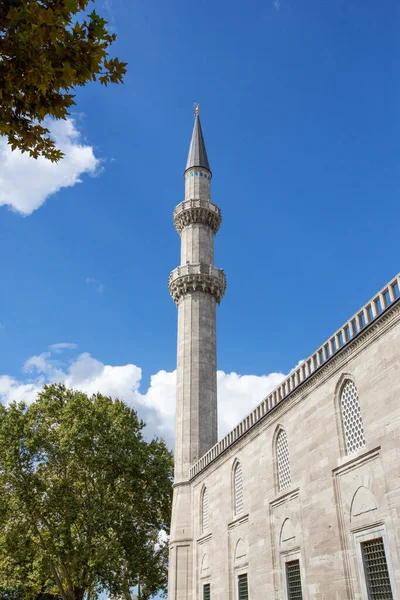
x=84 y=497
x=47 y=49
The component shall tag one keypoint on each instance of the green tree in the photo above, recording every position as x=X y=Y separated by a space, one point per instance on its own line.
x=83 y=498
x=47 y=49
x=17 y=595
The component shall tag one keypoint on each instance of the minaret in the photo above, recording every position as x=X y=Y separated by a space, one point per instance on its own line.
x=196 y=287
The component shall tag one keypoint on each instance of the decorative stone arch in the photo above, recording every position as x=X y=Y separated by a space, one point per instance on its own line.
x=240 y=551
x=338 y=412
x=278 y=428
x=236 y=496
x=343 y=380
x=279 y=431
x=287 y=535
x=204 y=509
x=363 y=504
x=205 y=564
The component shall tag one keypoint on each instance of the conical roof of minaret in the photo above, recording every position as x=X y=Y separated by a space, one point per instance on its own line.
x=197 y=156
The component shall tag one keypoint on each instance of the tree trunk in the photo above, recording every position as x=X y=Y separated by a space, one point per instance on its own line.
x=79 y=593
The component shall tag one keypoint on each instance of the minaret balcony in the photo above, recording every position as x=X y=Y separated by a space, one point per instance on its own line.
x=204 y=212
x=198 y=277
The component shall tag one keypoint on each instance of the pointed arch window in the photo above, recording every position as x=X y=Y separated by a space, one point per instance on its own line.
x=204 y=511
x=282 y=460
x=238 y=488
x=353 y=426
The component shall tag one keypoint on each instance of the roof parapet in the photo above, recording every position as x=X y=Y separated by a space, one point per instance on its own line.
x=369 y=313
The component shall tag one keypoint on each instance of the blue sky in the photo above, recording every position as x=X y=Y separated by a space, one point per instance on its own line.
x=299 y=106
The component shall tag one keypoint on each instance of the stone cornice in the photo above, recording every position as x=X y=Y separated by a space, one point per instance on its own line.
x=200 y=277
x=385 y=321
x=181 y=483
x=197 y=211
x=238 y=521
x=293 y=388
x=281 y=498
x=337 y=362
x=353 y=462
x=204 y=538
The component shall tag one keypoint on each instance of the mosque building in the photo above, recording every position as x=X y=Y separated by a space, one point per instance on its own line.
x=301 y=500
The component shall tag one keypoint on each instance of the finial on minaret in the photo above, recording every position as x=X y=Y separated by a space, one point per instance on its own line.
x=197 y=109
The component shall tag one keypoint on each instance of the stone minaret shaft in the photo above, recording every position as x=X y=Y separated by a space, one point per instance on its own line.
x=196 y=286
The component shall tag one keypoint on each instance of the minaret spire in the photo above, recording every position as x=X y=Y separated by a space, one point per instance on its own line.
x=197 y=156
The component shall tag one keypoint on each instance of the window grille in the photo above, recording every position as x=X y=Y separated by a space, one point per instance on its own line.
x=351 y=417
x=238 y=491
x=243 y=591
x=376 y=570
x=204 y=511
x=293 y=580
x=207 y=592
x=282 y=454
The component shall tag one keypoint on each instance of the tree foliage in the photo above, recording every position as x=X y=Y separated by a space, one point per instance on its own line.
x=17 y=595
x=47 y=49
x=83 y=498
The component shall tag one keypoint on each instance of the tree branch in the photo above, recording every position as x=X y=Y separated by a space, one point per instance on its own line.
x=52 y=567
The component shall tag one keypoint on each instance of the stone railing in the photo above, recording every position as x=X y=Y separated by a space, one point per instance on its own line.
x=197 y=277
x=343 y=336
x=197 y=211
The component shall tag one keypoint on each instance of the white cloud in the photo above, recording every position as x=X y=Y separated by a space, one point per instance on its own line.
x=159 y=401
x=162 y=539
x=62 y=346
x=38 y=363
x=11 y=389
x=237 y=394
x=111 y=23
x=296 y=366
x=26 y=183
x=277 y=4
x=100 y=287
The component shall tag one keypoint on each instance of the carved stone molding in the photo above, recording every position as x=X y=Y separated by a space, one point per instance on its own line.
x=197 y=278
x=352 y=347
x=238 y=521
x=286 y=496
x=204 y=538
x=353 y=462
x=337 y=361
x=373 y=330
x=197 y=211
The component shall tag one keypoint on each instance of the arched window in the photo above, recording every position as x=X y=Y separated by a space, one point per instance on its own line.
x=238 y=488
x=282 y=460
x=353 y=427
x=204 y=511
